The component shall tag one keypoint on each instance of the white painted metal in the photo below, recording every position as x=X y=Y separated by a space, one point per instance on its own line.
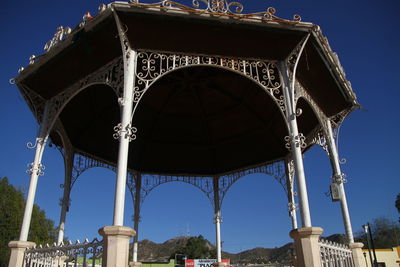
x=334 y=156
x=124 y=138
x=218 y=234
x=35 y=171
x=136 y=215
x=289 y=169
x=217 y=218
x=295 y=145
x=66 y=197
x=335 y=254
x=124 y=129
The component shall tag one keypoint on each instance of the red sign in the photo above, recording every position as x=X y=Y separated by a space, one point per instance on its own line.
x=204 y=262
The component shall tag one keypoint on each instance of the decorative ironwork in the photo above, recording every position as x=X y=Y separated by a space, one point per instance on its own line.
x=88 y=252
x=60 y=35
x=151 y=66
x=294 y=55
x=339 y=178
x=336 y=132
x=38 y=140
x=320 y=140
x=335 y=254
x=298 y=140
x=35 y=168
x=112 y=74
x=220 y=8
x=217 y=219
x=127 y=132
x=83 y=162
x=35 y=101
x=205 y=184
x=292 y=207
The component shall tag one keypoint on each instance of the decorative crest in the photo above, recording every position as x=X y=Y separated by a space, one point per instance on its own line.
x=60 y=35
x=219 y=6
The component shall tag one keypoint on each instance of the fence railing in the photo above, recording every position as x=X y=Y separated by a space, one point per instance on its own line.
x=65 y=255
x=335 y=254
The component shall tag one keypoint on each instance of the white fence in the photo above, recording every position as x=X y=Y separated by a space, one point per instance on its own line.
x=65 y=255
x=335 y=255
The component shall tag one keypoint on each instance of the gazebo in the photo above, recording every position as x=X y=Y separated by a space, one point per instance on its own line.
x=204 y=95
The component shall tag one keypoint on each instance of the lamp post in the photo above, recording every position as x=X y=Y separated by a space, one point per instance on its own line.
x=365 y=258
x=372 y=244
x=370 y=241
x=365 y=227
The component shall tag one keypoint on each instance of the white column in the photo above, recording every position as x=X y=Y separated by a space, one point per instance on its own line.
x=66 y=196
x=338 y=177
x=290 y=190
x=295 y=144
x=218 y=234
x=217 y=218
x=136 y=218
x=35 y=171
x=125 y=131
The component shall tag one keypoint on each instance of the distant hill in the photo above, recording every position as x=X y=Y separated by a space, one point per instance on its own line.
x=154 y=252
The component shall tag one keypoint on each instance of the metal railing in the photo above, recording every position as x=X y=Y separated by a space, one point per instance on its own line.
x=65 y=255
x=335 y=254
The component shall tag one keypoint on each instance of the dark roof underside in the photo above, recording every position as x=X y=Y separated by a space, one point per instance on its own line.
x=199 y=120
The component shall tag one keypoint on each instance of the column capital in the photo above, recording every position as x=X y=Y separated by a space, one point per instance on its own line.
x=356 y=245
x=21 y=244
x=135 y=264
x=117 y=231
x=306 y=232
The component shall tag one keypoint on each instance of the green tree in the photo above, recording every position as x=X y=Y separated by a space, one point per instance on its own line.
x=385 y=232
x=12 y=205
x=398 y=202
x=196 y=248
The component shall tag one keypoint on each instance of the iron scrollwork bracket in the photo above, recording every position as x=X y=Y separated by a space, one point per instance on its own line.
x=218 y=219
x=339 y=178
x=127 y=132
x=298 y=140
x=35 y=168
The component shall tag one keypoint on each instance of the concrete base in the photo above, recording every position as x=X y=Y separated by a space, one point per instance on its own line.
x=306 y=246
x=135 y=264
x=116 y=245
x=17 y=252
x=358 y=258
x=220 y=264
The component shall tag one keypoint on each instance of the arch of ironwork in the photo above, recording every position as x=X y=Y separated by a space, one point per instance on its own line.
x=152 y=66
x=205 y=184
x=112 y=74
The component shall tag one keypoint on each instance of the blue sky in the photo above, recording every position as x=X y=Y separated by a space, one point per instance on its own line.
x=363 y=33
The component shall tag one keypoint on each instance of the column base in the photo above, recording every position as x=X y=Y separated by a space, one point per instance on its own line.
x=17 y=252
x=116 y=245
x=356 y=249
x=307 y=246
x=135 y=264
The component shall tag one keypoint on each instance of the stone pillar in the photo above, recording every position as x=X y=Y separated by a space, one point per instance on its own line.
x=135 y=264
x=116 y=245
x=356 y=249
x=307 y=246
x=17 y=252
